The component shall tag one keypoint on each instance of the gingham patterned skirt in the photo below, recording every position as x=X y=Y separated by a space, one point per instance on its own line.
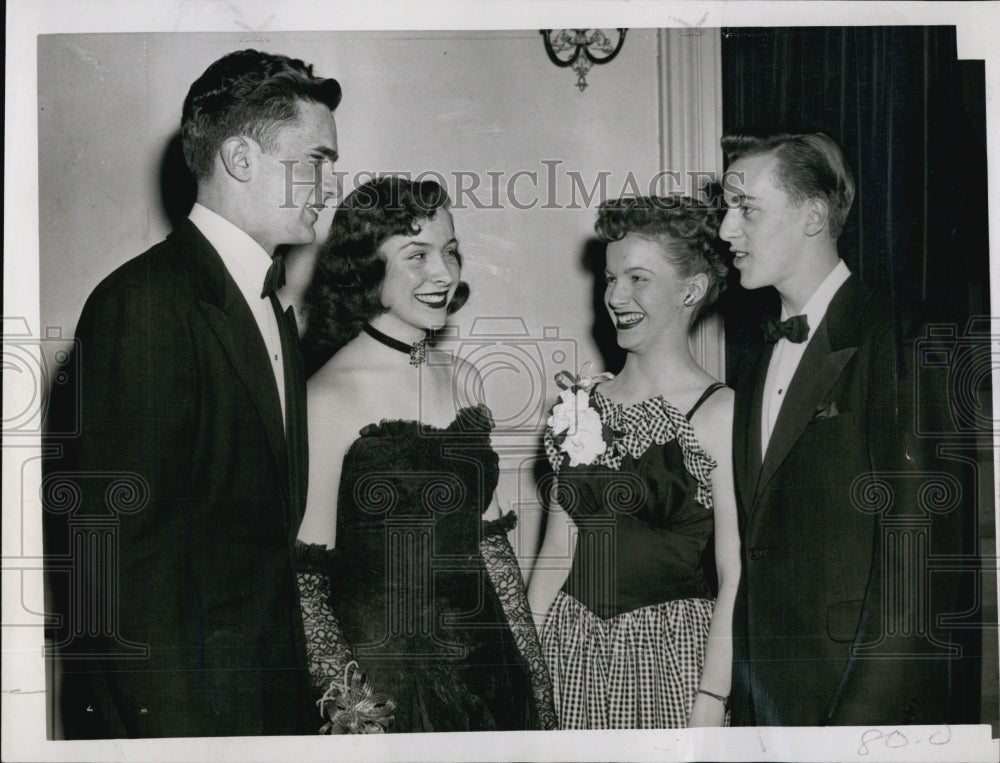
x=638 y=670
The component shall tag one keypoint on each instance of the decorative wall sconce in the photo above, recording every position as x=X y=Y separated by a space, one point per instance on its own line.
x=581 y=49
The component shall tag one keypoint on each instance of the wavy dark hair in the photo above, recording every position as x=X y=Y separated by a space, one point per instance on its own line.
x=685 y=221
x=250 y=93
x=345 y=292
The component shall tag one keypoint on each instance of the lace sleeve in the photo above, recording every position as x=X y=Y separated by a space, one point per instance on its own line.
x=505 y=574
x=342 y=691
x=326 y=645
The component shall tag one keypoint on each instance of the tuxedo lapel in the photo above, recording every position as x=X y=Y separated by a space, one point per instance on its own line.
x=829 y=351
x=295 y=406
x=746 y=428
x=226 y=311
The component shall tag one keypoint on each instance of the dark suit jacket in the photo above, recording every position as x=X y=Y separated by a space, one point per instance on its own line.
x=832 y=605
x=171 y=566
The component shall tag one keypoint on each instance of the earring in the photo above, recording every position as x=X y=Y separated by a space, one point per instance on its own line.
x=689 y=300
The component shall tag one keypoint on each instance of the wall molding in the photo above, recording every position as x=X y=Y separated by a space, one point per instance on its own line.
x=690 y=65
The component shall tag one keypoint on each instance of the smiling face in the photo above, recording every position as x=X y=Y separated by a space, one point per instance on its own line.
x=421 y=275
x=294 y=179
x=644 y=294
x=765 y=228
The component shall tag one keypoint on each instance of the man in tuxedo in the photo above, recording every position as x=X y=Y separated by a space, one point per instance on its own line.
x=172 y=569
x=833 y=620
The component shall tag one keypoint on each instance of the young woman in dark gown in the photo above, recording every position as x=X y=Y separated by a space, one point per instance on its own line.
x=405 y=567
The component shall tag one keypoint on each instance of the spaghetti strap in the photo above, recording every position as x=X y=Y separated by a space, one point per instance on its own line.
x=709 y=391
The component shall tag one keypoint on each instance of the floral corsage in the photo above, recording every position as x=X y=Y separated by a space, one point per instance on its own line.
x=576 y=426
x=353 y=707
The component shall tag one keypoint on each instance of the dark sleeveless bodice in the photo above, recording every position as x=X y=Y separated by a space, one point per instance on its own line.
x=643 y=510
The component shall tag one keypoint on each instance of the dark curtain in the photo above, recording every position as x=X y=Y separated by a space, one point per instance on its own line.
x=910 y=118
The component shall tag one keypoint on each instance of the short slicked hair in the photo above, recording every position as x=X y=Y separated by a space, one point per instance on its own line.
x=810 y=165
x=247 y=93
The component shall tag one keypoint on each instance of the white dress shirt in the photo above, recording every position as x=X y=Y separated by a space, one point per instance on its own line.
x=787 y=355
x=247 y=263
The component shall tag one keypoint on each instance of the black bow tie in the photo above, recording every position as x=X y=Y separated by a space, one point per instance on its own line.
x=275 y=277
x=795 y=329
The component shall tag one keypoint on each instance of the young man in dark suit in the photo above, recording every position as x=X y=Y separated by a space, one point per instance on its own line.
x=831 y=623
x=183 y=619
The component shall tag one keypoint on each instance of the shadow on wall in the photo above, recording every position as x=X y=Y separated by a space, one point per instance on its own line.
x=602 y=330
x=178 y=191
x=612 y=358
x=178 y=188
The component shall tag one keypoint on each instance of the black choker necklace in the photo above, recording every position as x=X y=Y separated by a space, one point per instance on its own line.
x=417 y=351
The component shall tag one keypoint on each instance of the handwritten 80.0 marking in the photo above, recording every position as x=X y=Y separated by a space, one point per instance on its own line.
x=895 y=739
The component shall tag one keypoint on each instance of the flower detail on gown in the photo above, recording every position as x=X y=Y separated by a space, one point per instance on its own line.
x=354 y=707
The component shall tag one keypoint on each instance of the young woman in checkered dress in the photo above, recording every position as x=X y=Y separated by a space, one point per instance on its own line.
x=634 y=586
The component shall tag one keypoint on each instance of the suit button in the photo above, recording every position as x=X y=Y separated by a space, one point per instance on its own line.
x=755 y=553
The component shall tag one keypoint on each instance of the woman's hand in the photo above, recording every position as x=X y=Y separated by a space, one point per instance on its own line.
x=707 y=711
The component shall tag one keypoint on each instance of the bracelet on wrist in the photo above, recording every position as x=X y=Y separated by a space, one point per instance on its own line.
x=713 y=695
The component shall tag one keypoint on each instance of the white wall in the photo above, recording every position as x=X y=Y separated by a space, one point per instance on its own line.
x=472 y=102
x=445 y=102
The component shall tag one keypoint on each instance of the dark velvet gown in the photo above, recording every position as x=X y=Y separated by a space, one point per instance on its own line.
x=409 y=585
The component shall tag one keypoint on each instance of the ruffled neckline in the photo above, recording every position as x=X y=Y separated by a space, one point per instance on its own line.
x=635 y=427
x=622 y=413
x=470 y=419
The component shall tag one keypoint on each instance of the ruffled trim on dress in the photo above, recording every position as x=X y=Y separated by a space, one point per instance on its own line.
x=501 y=526
x=637 y=426
x=472 y=427
x=313 y=557
x=473 y=418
